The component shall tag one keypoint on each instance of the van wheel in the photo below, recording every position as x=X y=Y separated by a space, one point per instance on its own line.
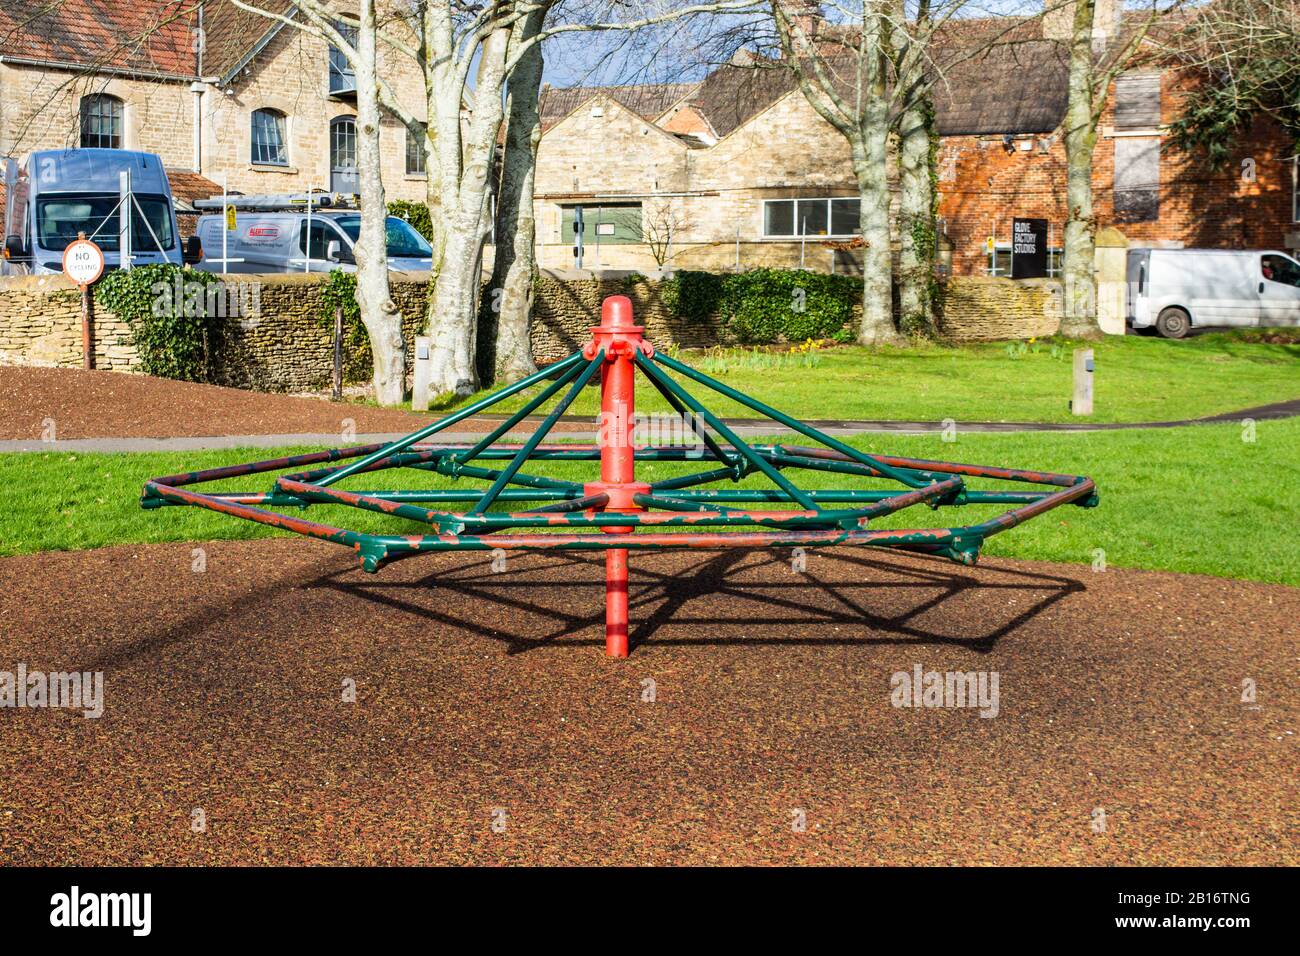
x=1173 y=323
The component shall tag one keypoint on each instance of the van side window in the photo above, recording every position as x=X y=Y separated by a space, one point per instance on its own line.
x=1280 y=269
x=321 y=235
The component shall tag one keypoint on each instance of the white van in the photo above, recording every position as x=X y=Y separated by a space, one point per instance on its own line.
x=276 y=240
x=1176 y=290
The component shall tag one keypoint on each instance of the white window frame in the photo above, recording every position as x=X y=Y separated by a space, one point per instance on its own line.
x=1056 y=253
x=796 y=236
x=1295 y=188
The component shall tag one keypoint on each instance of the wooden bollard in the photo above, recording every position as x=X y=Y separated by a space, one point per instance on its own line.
x=1081 y=403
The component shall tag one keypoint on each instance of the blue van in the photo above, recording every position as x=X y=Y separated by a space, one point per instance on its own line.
x=53 y=195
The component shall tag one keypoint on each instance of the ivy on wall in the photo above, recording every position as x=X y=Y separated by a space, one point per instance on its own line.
x=173 y=313
x=340 y=291
x=763 y=306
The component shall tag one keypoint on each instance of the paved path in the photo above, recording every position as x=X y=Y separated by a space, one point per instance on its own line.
x=745 y=427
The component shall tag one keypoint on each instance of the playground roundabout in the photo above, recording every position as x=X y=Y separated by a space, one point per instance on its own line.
x=789 y=674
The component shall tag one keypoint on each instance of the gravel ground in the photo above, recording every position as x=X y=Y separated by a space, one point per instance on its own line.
x=481 y=694
x=114 y=404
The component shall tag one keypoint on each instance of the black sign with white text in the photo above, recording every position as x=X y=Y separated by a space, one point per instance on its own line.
x=1028 y=248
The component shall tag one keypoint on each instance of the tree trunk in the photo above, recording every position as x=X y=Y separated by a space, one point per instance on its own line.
x=506 y=342
x=871 y=166
x=452 y=307
x=916 y=218
x=1079 y=308
x=379 y=314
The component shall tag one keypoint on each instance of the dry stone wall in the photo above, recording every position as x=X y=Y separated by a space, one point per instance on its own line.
x=278 y=342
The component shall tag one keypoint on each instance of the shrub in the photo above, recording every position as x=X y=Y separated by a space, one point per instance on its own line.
x=416 y=213
x=763 y=306
x=167 y=309
x=341 y=292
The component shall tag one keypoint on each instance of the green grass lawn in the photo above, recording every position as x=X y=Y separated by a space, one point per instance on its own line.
x=1138 y=379
x=1194 y=499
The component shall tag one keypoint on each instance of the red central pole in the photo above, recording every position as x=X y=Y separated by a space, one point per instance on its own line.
x=621 y=340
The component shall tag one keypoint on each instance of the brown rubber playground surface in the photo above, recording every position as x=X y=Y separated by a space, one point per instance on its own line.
x=484 y=696
x=100 y=404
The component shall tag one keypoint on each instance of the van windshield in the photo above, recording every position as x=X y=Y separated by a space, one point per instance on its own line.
x=403 y=240
x=60 y=217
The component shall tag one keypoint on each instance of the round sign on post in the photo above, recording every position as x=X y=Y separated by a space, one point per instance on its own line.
x=83 y=262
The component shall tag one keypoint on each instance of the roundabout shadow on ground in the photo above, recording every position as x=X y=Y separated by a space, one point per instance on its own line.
x=841 y=598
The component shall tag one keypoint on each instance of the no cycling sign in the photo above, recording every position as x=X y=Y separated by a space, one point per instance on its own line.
x=83 y=261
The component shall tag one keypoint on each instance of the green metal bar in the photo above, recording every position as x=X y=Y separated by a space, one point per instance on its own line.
x=518 y=416
x=741 y=516
x=709 y=441
x=538 y=435
x=841 y=467
x=720 y=427
x=778 y=416
x=491 y=474
x=701 y=478
x=468 y=411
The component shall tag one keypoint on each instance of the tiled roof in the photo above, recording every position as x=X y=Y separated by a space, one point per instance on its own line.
x=231 y=34
x=188 y=186
x=147 y=37
x=647 y=100
x=157 y=37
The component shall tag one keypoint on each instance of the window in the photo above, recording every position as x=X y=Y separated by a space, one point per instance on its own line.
x=415 y=153
x=1295 y=189
x=607 y=224
x=1137 y=179
x=811 y=217
x=343 y=155
x=1137 y=101
x=62 y=216
x=342 y=78
x=268 y=138
x=402 y=239
x=1000 y=260
x=1277 y=268
x=101 y=122
x=322 y=234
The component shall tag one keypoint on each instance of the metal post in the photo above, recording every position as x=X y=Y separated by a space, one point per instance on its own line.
x=225 y=226
x=124 y=211
x=338 y=353
x=621 y=341
x=306 y=257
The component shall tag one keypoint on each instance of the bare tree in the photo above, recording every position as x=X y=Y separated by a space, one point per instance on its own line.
x=507 y=355
x=379 y=313
x=662 y=222
x=1098 y=53
x=1246 y=53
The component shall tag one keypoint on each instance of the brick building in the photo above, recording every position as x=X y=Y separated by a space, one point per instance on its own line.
x=222 y=95
x=739 y=171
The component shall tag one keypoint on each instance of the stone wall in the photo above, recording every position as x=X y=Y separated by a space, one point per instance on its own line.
x=278 y=342
x=567 y=305
x=992 y=308
x=40 y=324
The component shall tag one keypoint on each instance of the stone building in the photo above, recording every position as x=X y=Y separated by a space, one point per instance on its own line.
x=738 y=171
x=221 y=94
